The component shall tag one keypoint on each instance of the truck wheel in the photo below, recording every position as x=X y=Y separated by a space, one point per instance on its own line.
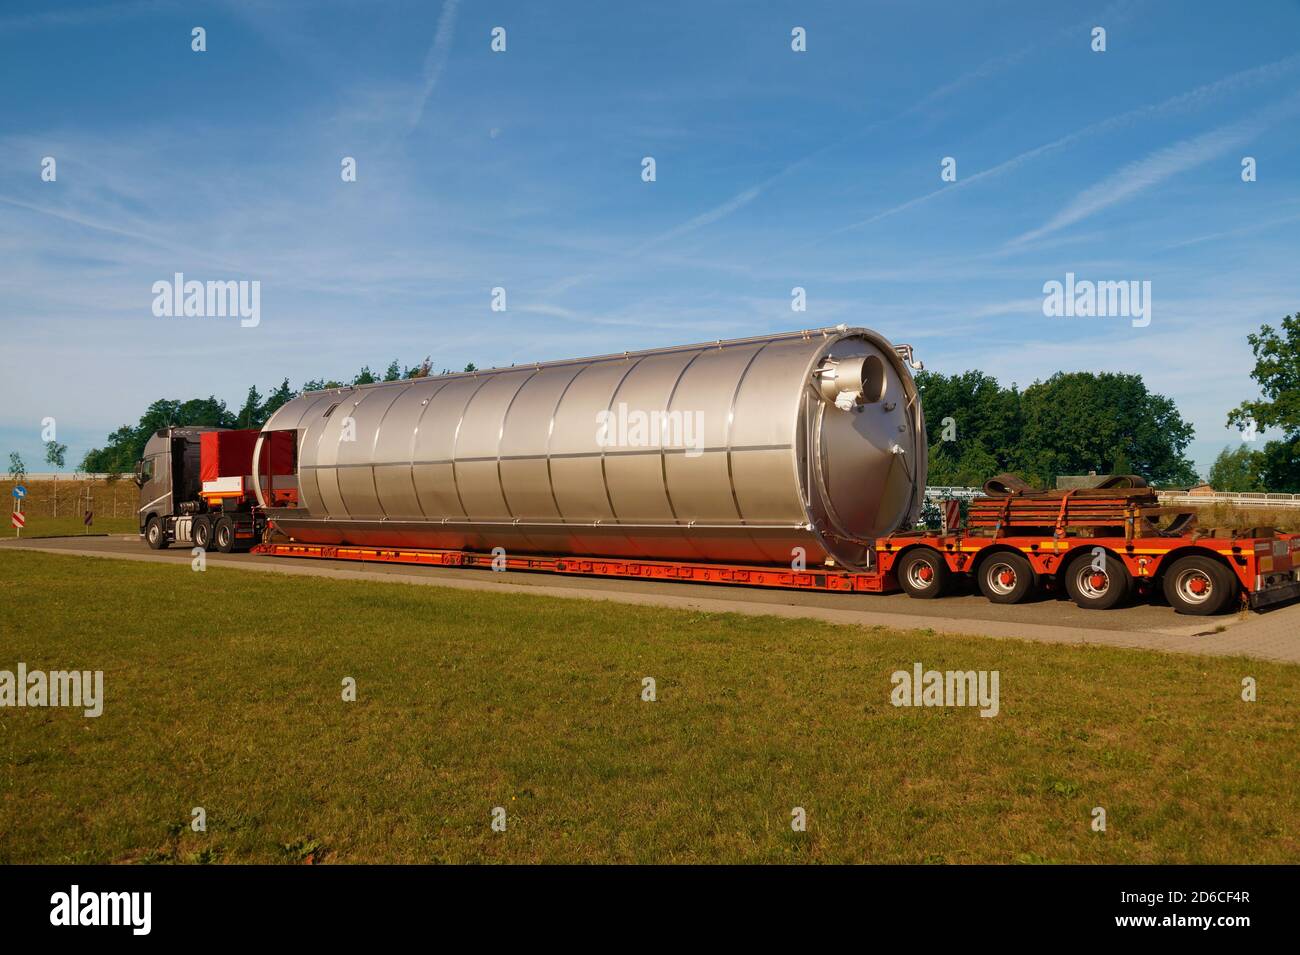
x=201 y=532
x=155 y=534
x=922 y=573
x=223 y=534
x=1199 y=585
x=1094 y=589
x=1006 y=578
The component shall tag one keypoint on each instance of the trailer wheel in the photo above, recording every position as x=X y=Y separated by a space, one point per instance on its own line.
x=223 y=534
x=1006 y=578
x=1094 y=589
x=1199 y=585
x=201 y=532
x=922 y=573
x=155 y=534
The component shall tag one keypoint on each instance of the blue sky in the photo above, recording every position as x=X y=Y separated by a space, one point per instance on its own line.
x=522 y=170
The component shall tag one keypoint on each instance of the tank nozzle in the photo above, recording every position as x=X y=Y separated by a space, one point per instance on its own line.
x=846 y=382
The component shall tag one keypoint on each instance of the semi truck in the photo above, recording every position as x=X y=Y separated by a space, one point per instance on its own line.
x=795 y=460
x=197 y=487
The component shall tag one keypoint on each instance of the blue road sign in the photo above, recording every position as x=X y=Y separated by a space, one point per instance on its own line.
x=19 y=491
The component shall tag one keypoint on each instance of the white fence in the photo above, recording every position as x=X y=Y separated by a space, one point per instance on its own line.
x=63 y=476
x=948 y=493
x=1237 y=498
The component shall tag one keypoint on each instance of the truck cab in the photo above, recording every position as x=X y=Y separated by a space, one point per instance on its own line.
x=196 y=487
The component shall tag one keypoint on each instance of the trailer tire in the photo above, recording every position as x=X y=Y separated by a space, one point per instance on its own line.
x=922 y=573
x=201 y=532
x=1199 y=585
x=1098 y=589
x=1006 y=577
x=155 y=533
x=223 y=535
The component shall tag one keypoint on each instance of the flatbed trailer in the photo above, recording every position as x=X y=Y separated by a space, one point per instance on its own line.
x=1198 y=575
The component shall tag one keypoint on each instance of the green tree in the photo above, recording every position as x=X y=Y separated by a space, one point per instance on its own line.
x=1237 y=470
x=393 y=372
x=277 y=399
x=421 y=370
x=1277 y=372
x=1281 y=467
x=126 y=445
x=1077 y=422
x=365 y=377
x=973 y=425
x=251 y=415
x=17 y=470
x=55 y=454
x=320 y=384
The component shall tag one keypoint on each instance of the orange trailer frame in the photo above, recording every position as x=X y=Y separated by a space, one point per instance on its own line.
x=1253 y=560
x=1265 y=567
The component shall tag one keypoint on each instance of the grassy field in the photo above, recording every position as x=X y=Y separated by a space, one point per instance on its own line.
x=223 y=690
x=1224 y=515
x=55 y=508
x=41 y=526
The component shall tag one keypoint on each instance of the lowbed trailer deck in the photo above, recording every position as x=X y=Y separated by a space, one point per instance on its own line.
x=1199 y=575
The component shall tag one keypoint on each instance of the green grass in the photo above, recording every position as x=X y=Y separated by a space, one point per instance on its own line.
x=223 y=691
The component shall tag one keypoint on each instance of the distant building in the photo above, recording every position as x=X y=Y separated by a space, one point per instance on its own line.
x=1201 y=490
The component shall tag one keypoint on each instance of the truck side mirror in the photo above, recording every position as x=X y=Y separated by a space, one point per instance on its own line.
x=139 y=473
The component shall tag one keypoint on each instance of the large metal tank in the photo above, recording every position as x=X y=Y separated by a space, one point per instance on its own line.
x=734 y=451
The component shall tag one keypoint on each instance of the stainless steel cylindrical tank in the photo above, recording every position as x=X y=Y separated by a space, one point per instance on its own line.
x=751 y=450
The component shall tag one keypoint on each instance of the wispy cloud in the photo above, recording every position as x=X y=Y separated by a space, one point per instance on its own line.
x=1151 y=170
x=1112 y=15
x=1251 y=229
x=435 y=60
x=1192 y=99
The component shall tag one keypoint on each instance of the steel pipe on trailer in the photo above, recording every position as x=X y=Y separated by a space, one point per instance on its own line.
x=799 y=446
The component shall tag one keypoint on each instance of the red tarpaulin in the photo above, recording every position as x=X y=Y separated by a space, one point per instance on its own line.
x=230 y=453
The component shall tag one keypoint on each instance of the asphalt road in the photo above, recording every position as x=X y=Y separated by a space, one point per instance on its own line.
x=1273 y=635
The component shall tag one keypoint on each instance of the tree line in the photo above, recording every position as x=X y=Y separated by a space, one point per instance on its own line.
x=1072 y=423
x=125 y=446
x=1077 y=422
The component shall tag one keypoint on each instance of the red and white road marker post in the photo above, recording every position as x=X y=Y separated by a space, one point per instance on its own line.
x=951 y=515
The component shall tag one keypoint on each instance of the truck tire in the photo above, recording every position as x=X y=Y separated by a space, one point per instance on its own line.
x=223 y=535
x=1006 y=578
x=1094 y=589
x=922 y=573
x=155 y=533
x=1199 y=585
x=201 y=532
